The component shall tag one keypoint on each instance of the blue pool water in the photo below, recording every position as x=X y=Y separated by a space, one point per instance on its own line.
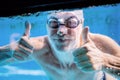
x=102 y=19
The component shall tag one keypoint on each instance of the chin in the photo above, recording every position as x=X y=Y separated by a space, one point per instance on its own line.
x=61 y=47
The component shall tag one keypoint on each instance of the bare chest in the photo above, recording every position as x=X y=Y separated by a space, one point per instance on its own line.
x=65 y=72
x=57 y=71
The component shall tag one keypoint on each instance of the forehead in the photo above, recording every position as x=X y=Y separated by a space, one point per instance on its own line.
x=66 y=14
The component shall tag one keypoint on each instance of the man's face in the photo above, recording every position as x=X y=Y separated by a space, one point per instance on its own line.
x=64 y=29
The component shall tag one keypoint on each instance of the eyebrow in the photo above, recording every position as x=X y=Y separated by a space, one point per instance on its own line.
x=52 y=17
x=71 y=17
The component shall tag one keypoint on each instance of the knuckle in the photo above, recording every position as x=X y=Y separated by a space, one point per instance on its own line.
x=85 y=48
x=26 y=43
x=24 y=49
x=18 y=56
x=23 y=38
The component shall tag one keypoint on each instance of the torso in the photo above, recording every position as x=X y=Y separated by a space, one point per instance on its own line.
x=57 y=71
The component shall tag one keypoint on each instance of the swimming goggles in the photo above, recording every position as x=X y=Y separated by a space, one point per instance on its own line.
x=71 y=22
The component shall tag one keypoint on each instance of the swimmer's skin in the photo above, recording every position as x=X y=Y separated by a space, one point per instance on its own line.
x=92 y=53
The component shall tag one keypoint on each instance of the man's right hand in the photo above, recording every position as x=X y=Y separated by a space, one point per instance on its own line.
x=24 y=48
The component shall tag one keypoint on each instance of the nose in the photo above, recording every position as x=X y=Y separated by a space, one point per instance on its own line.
x=62 y=30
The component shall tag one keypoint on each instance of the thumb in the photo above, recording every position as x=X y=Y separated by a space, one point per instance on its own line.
x=27 y=29
x=85 y=35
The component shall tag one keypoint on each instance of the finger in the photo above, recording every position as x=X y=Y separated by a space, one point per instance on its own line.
x=80 y=51
x=27 y=29
x=84 y=64
x=26 y=49
x=25 y=42
x=85 y=35
x=17 y=56
x=87 y=68
x=21 y=53
x=81 y=58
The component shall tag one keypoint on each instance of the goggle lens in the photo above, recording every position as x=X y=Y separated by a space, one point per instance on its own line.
x=70 y=23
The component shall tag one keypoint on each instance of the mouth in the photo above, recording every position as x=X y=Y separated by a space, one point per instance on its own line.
x=62 y=40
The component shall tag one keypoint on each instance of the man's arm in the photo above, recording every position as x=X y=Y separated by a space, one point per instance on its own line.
x=112 y=65
x=98 y=53
x=6 y=55
x=106 y=44
x=24 y=49
x=19 y=50
x=111 y=54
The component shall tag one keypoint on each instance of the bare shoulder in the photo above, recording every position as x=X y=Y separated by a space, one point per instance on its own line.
x=39 y=42
x=105 y=43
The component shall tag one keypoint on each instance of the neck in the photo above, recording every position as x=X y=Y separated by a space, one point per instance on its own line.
x=64 y=57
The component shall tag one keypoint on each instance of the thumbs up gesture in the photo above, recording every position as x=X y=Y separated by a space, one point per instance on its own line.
x=24 y=46
x=88 y=57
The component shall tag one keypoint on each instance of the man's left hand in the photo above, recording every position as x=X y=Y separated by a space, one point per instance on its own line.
x=88 y=57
